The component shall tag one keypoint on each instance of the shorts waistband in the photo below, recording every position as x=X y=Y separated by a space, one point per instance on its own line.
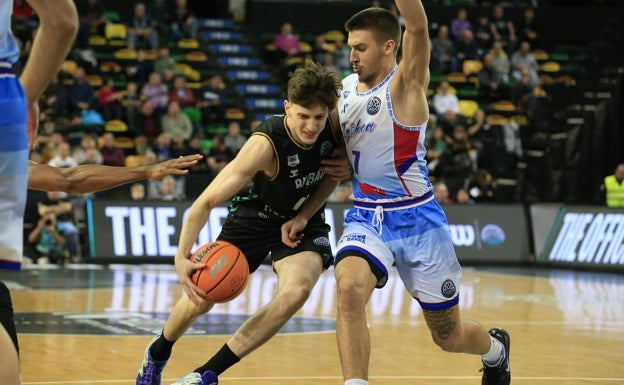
x=394 y=205
x=6 y=69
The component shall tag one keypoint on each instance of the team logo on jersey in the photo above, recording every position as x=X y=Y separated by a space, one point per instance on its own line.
x=345 y=94
x=292 y=160
x=326 y=148
x=373 y=106
x=448 y=289
x=293 y=173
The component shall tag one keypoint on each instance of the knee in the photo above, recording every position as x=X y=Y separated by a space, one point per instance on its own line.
x=296 y=294
x=351 y=293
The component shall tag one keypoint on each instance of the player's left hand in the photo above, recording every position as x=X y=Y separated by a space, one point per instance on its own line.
x=292 y=231
x=175 y=166
x=337 y=166
x=32 y=123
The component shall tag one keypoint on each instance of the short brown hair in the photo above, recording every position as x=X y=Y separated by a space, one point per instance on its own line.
x=314 y=84
x=382 y=22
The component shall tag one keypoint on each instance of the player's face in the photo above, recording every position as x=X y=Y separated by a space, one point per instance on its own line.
x=366 y=55
x=305 y=124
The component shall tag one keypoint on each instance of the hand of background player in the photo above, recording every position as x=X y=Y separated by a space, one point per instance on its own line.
x=292 y=231
x=175 y=166
x=337 y=166
x=32 y=123
x=184 y=269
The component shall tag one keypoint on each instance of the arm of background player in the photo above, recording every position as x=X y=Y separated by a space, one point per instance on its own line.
x=90 y=178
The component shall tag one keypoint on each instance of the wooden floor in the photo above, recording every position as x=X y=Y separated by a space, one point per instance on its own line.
x=89 y=326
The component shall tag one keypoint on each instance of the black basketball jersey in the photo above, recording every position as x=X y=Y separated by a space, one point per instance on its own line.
x=298 y=171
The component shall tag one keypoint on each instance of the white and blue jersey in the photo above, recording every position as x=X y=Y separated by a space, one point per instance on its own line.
x=13 y=148
x=395 y=220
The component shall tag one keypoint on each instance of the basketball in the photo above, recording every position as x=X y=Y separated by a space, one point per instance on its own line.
x=225 y=273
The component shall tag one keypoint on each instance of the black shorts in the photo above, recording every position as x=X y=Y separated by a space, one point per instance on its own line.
x=258 y=233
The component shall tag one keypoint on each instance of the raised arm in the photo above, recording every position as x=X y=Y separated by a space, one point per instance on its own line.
x=55 y=36
x=90 y=178
x=409 y=86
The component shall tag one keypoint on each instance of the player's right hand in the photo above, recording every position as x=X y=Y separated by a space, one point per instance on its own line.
x=185 y=268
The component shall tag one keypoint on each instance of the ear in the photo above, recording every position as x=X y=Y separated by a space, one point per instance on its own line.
x=389 y=47
x=287 y=107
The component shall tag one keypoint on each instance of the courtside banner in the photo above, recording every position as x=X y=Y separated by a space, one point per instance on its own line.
x=127 y=230
x=585 y=236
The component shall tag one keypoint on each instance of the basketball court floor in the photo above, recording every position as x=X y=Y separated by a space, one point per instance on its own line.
x=89 y=325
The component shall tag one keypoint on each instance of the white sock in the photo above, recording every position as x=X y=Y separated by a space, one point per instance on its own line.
x=496 y=354
x=356 y=381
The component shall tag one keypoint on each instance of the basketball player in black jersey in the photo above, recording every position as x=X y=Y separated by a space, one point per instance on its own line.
x=283 y=160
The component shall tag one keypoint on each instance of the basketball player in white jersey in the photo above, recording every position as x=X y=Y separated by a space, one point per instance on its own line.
x=18 y=124
x=395 y=220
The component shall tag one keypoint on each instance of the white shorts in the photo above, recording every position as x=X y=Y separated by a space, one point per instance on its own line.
x=413 y=236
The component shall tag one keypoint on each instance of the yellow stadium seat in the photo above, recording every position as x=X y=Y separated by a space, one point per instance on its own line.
x=471 y=67
x=550 y=66
x=135 y=160
x=188 y=43
x=116 y=126
x=116 y=31
x=468 y=108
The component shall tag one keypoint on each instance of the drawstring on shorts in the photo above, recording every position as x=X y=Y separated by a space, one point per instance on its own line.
x=378 y=218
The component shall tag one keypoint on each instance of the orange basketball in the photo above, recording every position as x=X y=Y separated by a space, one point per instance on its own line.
x=226 y=272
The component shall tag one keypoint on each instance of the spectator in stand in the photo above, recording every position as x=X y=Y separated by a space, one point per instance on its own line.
x=156 y=92
x=131 y=101
x=342 y=56
x=286 y=43
x=140 y=69
x=459 y=160
x=491 y=86
x=441 y=193
x=108 y=100
x=613 y=187
x=234 y=140
x=319 y=49
x=219 y=155
x=87 y=152
x=91 y=16
x=148 y=124
x=483 y=33
x=466 y=48
x=523 y=58
x=63 y=159
x=159 y=11
x=182 y=21
x=448 y=123
x=503 y=29
x=48 y=240
x=137 y=192
x=528 y=28
x=166 y=189
x=141 y=29
x=522 y=92
x=442 y=51
x=162 y=148
x=500 y=61
x=177 y=124
x=480 y=187
x=211 y=101
x=328 y=62
x=111 y=154
x=444 y=100
x=57 y=203
x=23 y=22
x=459 y=24
x=81 y=93
x=462 y=197
x=54 y=99
x=436 y=145
x=181 y=93
x=165 y=65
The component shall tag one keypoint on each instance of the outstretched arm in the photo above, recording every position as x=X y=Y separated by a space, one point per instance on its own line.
x=90 y=178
